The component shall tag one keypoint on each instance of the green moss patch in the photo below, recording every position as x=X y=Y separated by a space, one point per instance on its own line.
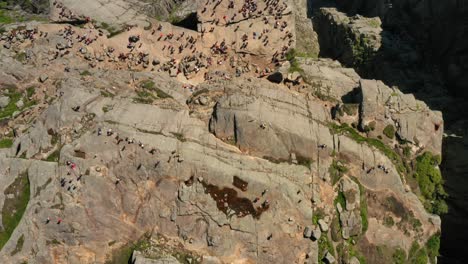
x=389 y=131
x=6 y=143
x=14 y=208
x=336 y=170
x=430 y=183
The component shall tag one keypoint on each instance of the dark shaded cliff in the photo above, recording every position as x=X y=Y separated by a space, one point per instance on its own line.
x=440 y=29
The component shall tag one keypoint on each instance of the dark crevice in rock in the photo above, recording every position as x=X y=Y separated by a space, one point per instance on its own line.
x=189 y=22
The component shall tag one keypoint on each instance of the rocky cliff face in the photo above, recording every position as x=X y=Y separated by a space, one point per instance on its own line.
x=417 y=50
x=113 y=151
x=437 y=27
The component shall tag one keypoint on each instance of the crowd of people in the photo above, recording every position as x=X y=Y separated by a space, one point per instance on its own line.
x=163 y=47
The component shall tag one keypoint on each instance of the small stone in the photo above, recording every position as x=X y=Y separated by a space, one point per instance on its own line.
x=323 y=225
x=329 y=258
x=7 y=45
x=43 y=78
x=200 y=179
x=203 y=100
x=20 y=104
x=293 y=158
x=4 y=101
x=339 y=208
x=307 y=232
x=173 y=216
x=60 y=46
x=354 y=260
x=316 y=234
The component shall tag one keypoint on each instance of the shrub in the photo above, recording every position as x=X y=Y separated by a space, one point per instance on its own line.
x=161 y=94
x=350 y=109
x=389 y=131
x=291 y=57
x=336 y=171
x=432 y=246
x=340 y=199
x=399 y=257
x=370 y=127
x=85 y=73
x=325 y=245
x=388 y=221
x=431 y=183
x=148 y=85
x=417 y=255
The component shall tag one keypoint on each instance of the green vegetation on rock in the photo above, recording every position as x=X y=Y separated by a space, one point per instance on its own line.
x=85 y=73
x=291 y=56
x=430 y=183
x=417 y=255
x=6 y=143
x=388 y=221
x=336 y=170
x=14 y=208
x=364 y=213
x=432 y=246
x=362 y=51
x=150 y=86
x=399 y=256
x=389 y=131
x=19 y=245
x=124 y=254
x=340 y=199
x=317 y=215
x=54 y=156
x=144 y=97
x=14 y=96
x=325 y=245
x=353 y=134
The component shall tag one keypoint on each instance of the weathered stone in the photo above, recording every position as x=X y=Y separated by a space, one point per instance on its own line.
x=4 y=101
x=307 y=232
x=43 y=77
x=316 y=233
x=323 y=225
x=20 y=103
x=329 y=259
x=354 y=260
